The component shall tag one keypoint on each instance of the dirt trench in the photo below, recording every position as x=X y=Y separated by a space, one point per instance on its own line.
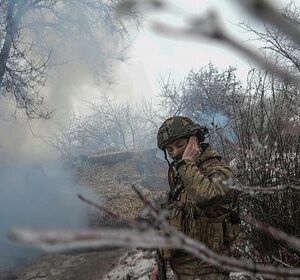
x=83 y=266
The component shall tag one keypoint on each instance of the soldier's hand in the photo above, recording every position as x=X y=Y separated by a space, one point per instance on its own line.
x=192 y=151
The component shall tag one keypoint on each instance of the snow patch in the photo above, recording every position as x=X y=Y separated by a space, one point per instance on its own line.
x=135 y=264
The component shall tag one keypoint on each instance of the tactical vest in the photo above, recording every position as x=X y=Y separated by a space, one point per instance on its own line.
x=216 y=226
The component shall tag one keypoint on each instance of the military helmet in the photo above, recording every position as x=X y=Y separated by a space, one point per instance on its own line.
x=178 y=127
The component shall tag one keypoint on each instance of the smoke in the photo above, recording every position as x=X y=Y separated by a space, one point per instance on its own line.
x=83 y=44
x=214 y=118
x=40 y=197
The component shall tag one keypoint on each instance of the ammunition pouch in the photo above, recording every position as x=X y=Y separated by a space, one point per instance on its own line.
x=217 y=233
x=231 y=228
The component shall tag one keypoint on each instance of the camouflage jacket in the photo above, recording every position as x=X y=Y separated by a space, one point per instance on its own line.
x=202 y=209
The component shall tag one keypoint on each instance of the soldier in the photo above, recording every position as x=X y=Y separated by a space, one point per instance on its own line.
x=199 y=202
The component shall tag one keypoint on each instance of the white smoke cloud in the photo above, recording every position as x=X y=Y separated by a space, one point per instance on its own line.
x=41 y=197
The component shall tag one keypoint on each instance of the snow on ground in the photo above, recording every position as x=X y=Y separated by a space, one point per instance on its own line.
x=135 y=264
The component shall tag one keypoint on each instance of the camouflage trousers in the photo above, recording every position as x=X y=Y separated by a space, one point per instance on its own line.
x=211 y=276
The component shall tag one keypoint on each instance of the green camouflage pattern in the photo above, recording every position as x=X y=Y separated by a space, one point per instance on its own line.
x=178 y=127
x=201 y=211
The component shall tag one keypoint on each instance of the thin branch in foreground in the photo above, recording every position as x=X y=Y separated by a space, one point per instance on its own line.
x=167 y=237
x=280 y=261
x=165 y=227
x=107 y=211
x=266 y=11
x=291 y=241
x=252 y=190
x=54 y=241
x=211 y=28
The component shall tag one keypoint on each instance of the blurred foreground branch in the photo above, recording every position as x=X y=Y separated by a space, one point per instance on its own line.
x=210 y=27
x=255 y=190
x=266 y=11
x=291 y=241
x=107 y=211
x=167 y=237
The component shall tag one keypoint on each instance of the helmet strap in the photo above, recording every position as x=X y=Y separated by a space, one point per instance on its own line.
x=166 y=158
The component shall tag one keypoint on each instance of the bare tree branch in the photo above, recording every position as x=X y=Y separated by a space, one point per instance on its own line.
x=235 y=185
x=266 y=11
x=107 y=211
x=291 y=241
x=211 y=28
x=165 y=238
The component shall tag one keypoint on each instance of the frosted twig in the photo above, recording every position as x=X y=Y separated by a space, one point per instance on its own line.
x=210 y=28
x=280 y=261
x=107 y=211
x=54 y=241
x=290 y=240
x=266 y=11
x=167 y=237
x=233 y=184
x=132 y=238
x=127 y=6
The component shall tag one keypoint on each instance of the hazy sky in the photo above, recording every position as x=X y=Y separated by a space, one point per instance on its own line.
x=151 y=57
x=154 y=56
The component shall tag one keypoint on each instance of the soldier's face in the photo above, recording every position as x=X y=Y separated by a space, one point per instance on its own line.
x=176 y=148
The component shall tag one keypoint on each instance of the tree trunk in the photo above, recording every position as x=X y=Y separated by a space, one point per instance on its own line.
x=11 y=33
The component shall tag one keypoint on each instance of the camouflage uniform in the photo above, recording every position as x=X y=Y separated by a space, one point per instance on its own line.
x=202 y=207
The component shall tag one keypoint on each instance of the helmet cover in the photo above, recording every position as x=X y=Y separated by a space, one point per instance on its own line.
x=178 y=127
